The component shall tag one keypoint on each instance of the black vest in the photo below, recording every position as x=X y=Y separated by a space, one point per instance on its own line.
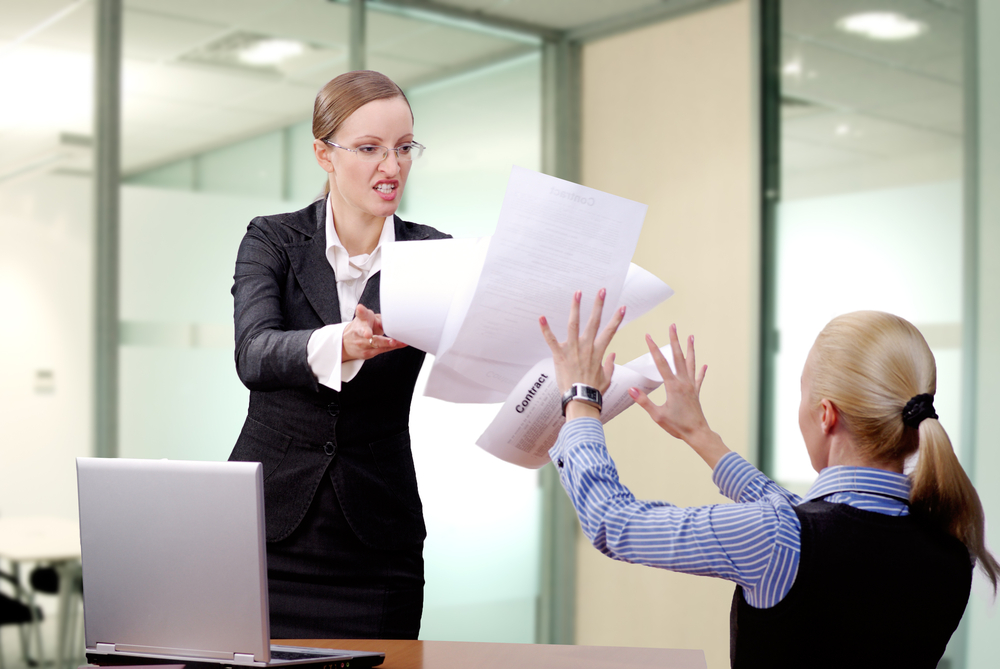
x=872 y=590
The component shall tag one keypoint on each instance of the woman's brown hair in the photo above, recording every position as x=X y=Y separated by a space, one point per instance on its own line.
x=869 y=364
x=344 y=95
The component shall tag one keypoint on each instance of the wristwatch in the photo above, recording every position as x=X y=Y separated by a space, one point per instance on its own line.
x=582 y=393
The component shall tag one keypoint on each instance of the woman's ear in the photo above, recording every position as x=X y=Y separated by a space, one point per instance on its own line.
x=829 y=416
x=322 y=154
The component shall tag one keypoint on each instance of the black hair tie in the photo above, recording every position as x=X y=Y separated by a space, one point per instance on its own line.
x=917 y=409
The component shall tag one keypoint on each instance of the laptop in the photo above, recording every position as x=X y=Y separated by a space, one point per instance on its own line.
x=175 y=569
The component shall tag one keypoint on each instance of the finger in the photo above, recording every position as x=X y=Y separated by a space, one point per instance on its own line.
x=691 y=366
x=642 y=399
x=573 y=327
x=700 y=379
x=377 y=325
x=590 y=332
x=549 y=336
x=609 y=368
x=675 y=347
x=661 y=362
x=608 y=333
x=365 y=314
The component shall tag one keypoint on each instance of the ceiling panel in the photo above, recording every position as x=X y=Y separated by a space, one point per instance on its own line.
x=221 y=12
x=840 y=79
x=945 y=114
x=561 y=14
x=867 y=135
x=317 y=21
x=440 y=46
x=802 y=156
x=17 y=17
x=817 y=20
x=154 y=36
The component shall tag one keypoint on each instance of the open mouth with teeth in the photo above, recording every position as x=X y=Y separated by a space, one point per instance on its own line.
x=386 y=190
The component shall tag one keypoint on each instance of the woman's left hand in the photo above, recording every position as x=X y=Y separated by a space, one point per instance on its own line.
x=578 y=359
x=364 y=337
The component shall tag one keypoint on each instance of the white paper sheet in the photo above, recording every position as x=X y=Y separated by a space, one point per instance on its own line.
x=554 y=237
x=528 y=424
x=427 y=289
x=420 y=283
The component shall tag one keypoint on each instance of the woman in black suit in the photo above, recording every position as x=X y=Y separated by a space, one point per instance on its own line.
x=329 y=391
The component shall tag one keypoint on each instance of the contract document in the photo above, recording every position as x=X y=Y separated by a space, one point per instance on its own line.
x=474 y=303
x=528 y=424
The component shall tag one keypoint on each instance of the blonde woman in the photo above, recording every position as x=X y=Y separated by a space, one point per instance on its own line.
x=872 y=567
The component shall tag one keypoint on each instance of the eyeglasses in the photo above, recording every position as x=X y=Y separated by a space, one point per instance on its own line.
x=376 y=154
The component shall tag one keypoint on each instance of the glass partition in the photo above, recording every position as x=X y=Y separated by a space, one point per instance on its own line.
x=871 y=211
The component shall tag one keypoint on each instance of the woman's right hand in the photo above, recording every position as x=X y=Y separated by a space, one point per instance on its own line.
x=364 y=337
x=681 y=414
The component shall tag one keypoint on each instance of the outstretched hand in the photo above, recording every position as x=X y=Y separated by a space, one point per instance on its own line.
x=681 y=414
x=579 y=358
x=364 y=337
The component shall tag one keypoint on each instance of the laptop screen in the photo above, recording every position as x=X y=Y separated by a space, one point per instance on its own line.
x=173 y=556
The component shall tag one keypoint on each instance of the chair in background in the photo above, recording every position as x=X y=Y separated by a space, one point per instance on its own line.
x=14 y=611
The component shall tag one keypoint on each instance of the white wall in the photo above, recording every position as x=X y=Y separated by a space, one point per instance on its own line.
x=45 y=324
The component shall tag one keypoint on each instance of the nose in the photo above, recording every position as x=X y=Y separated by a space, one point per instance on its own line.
x=390 y=164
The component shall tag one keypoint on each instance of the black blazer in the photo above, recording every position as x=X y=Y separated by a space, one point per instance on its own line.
x=283 y=290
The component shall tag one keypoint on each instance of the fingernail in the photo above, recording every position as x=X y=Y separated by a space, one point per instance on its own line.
x=541 y=319
x=622 y=310
x=577 y=295
x=633 y=393
x=601 y=293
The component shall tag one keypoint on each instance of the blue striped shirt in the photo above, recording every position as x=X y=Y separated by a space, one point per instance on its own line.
x=754 y=543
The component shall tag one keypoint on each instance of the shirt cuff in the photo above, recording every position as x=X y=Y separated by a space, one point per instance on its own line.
x=324 y=356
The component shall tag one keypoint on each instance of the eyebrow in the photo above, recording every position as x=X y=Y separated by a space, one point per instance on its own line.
x=377 y=138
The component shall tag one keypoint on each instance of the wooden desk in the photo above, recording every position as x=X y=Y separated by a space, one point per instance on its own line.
x=461 y=654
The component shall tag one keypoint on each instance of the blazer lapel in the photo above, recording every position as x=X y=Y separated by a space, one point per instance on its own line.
x=312 y=270
x=316 y=276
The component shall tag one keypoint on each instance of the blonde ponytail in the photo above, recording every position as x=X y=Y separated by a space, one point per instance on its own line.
x=943 y=493
x=870 y=365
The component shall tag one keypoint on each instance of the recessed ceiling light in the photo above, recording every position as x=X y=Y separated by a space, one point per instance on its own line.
x=249 y=50
x=270 y=51
x=887 y=26
x=792 y=68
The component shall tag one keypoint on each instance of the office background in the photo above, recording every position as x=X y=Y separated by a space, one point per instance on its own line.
x=793 y=169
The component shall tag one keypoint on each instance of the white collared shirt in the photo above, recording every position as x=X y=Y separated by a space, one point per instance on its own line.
x=326 y=344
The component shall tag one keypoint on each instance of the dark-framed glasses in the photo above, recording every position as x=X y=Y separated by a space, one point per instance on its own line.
x=372 y=153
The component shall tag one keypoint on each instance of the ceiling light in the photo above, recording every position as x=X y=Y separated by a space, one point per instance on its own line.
x=792 y=68
x=249 y=50
x=887 y=26
x=270 y=51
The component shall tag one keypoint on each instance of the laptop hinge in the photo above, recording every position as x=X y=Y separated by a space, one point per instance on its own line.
x=243 y=658
x=105 y=647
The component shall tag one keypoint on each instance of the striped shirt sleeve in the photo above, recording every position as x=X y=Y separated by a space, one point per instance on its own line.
x=754 y=543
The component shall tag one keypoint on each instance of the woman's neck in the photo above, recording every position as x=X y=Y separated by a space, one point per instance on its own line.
x=844 y=451
x=358 y=232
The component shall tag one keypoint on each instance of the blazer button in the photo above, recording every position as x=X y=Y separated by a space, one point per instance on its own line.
x=329 y=448
x=560 y=463
x=333 y=410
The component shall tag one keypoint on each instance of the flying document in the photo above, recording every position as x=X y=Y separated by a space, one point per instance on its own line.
x=474 y=303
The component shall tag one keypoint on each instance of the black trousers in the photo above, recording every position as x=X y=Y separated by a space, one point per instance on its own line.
x=324 y=583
